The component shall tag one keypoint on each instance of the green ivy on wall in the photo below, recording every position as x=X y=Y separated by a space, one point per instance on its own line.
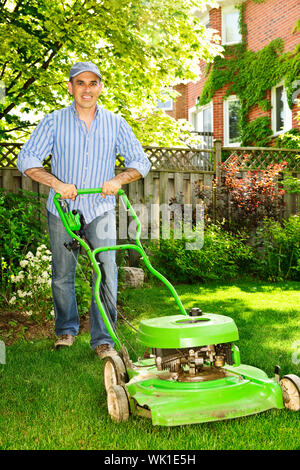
x=249 y=75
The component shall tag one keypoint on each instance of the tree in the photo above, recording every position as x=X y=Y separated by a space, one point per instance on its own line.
x=141 y=46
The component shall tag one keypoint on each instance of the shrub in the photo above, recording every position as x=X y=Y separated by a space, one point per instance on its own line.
x=291 y=184
x=223 y=257
x=289 y=140
x=31 y=291
x=32 y=285
x=278 y=250
x=245 y=202
x=273 y=255
x=23 y=229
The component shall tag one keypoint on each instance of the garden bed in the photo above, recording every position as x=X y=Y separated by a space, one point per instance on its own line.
x=15 y=326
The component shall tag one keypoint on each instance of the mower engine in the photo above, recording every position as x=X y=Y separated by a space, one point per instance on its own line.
x=192 y=348
x=194 y=364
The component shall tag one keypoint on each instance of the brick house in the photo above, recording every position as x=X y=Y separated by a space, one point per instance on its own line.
x=264 y=21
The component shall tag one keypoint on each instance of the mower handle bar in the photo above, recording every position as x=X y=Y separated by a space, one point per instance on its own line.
x=92 y=255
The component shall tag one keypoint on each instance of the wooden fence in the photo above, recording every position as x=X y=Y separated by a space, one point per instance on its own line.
x=173 y=171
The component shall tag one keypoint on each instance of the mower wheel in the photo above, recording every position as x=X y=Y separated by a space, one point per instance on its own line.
x=114 y=372
x=290 y=386
x=117 y=403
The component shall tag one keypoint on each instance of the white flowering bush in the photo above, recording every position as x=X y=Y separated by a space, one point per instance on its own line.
x=32 y=292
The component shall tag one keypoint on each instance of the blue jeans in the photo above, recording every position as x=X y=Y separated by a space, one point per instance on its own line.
x=100 y=232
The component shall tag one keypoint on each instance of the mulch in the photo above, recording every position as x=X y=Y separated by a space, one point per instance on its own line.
x=15 y=326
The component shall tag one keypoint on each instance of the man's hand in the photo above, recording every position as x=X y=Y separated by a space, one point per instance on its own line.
x=111 y=187
x=66 y=191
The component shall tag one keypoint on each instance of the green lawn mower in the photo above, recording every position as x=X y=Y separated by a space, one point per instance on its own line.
x=194 y=373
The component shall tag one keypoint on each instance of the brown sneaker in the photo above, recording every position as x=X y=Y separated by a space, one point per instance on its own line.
x=64 y=341
x=105 y=350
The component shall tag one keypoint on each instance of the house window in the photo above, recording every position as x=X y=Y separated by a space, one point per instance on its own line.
x=166 y=103
x=231 y=121
x=230 y=26
x=281 y=112
x=202 y=121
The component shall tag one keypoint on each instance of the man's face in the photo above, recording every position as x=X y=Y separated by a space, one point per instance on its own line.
x=86 y=88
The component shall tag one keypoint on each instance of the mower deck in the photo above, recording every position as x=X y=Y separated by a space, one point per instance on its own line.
x=244 y=390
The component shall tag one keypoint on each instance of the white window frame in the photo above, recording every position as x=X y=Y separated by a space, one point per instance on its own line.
x=225 y=11
x=288 y=124
x=226 y=121
x=205 y=20
x=199 y=112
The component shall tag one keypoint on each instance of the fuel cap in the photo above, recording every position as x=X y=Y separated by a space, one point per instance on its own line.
x=195 y=312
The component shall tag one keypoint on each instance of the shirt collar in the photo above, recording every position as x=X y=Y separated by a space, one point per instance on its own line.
x=75 y=112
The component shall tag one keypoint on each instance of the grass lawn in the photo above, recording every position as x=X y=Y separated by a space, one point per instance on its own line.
x=56 y=399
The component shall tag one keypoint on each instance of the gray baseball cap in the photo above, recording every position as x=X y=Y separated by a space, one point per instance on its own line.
x=80 y=67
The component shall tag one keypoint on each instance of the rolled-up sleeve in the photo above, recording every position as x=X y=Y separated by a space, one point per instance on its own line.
x=38 y=147
x=130 y=148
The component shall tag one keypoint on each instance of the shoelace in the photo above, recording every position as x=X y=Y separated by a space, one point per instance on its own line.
x=64 y=337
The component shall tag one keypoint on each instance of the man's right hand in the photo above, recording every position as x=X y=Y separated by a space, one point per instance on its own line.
x=66 y=191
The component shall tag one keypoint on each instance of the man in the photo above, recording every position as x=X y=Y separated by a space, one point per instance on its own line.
x=84 y=140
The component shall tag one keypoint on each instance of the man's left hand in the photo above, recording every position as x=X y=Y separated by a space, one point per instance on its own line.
x=111 y=188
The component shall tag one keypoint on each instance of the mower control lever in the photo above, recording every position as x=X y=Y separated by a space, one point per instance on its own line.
x=72 y=245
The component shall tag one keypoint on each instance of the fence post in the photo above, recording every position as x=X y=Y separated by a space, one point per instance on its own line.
x=218 y=156
x=217 y=172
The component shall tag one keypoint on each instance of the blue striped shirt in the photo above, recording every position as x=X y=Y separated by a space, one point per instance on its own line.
x=81 y=157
